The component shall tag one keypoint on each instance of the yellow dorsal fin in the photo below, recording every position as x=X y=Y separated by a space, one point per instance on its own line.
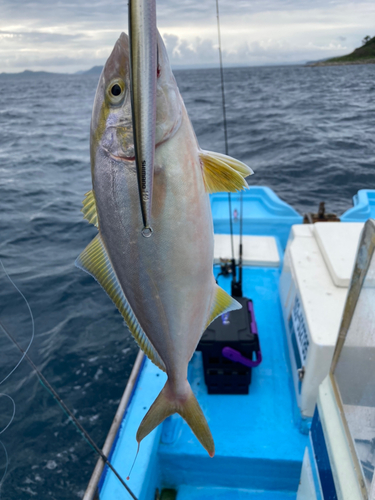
x=94 y=260
x=221 y=304
x=223 y=173
x=89 y=208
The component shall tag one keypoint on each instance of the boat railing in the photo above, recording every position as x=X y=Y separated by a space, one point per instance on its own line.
x=91 y=492
x=352 y=373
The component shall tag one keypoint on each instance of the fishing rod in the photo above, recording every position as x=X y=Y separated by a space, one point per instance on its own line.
x=236 y=287
x=225 y=129
x=44 y=382
x=239 y=282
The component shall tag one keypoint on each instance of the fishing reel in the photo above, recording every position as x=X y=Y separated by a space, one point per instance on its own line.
x=226 y=268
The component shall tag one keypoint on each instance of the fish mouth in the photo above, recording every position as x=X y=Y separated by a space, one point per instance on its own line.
x=122 y=158
x=127 y=159
x=166 y=136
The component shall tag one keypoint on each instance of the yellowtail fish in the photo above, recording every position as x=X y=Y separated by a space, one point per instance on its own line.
x=163 y=286
x=143 y=74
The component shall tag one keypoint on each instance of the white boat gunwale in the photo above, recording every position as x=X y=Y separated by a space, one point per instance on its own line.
x=91 y=490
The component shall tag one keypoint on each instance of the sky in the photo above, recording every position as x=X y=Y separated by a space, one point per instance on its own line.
x=70 y=35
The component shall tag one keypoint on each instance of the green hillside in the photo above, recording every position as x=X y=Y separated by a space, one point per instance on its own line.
x=364 y=54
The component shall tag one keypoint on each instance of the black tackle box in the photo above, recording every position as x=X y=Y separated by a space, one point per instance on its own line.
x=237 y=332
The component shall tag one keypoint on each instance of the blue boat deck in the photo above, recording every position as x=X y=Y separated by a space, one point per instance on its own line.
x=259 y=448
x=204 y=493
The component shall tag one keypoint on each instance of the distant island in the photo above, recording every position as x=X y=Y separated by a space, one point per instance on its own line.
x=95 y=70
x=28 y=72
x=362 y=55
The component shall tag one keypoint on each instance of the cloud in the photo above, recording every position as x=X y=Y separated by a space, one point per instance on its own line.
x=183 y=52
x=40 y=37
x=197 y=51
x=72 y=35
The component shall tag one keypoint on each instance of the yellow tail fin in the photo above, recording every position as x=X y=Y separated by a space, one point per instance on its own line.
x=189 y=409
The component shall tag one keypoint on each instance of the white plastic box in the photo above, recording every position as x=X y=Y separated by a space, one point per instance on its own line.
x=317 y=268
x=258 y=251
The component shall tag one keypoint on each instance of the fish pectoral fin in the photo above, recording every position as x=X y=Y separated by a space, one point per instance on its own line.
x=94 y=260
x=237 y=165
x=222 y=303
x=189 y=409
x=89 y=208
x=223 y=173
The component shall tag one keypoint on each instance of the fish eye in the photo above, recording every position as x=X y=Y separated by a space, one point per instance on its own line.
x=116 y=91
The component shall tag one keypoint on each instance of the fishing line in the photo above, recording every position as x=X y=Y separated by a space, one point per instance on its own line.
x=13 y=370
x=6 y=466
x=131 y=468
x=52 y=391
x=32 y=323
x=2 y=444
x=14 y=412
x=44 y=382
x=222 y=78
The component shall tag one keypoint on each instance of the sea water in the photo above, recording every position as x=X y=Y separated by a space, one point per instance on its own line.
x=308 y=133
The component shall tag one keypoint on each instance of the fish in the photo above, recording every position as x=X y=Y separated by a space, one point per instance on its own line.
x=163 y=286
x=143 y=75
